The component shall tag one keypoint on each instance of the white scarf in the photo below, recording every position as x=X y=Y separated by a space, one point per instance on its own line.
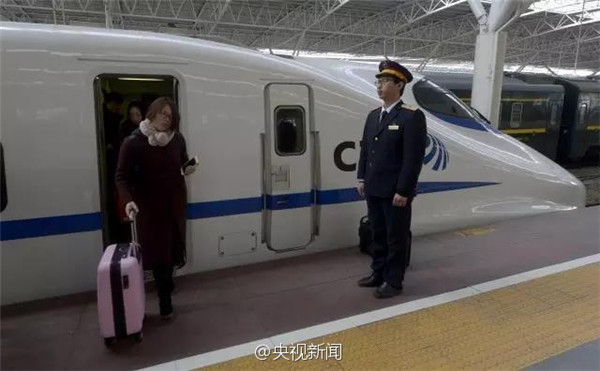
x=155 y=137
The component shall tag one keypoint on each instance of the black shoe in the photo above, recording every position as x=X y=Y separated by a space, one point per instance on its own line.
x=373 y=280
x=166 y=308
x=387 y=291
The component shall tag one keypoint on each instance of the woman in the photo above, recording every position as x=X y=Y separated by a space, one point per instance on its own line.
x=150 y=182
x=135 y=115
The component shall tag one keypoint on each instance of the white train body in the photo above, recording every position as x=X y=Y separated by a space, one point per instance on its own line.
x=247 y=202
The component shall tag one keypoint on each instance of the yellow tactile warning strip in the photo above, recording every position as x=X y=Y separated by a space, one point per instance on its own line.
x=475 y=231
x=508 y=328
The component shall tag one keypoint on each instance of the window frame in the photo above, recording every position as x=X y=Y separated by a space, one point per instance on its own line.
x=462 y=105
x=513 y=123
x=582 y=114
x=276 y=131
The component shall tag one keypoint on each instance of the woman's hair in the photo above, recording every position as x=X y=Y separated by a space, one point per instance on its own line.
x=158 y=105
x=137 y=104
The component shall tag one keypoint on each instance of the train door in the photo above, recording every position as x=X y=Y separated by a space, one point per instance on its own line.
x=578 y=145
x=556 y=105
x=288 y=154
x=592 y=147
x=118 y=99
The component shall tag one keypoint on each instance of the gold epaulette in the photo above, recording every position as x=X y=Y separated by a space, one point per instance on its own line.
x=410 y=107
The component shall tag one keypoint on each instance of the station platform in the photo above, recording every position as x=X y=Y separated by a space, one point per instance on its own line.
x=507 y=295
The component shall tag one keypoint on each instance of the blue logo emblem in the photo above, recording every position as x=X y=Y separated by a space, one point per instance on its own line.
x=435 y=150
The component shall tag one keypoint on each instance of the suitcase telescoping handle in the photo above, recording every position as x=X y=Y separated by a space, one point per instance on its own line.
x=134 y=237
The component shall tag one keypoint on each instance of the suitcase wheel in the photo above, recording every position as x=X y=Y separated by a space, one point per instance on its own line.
x=138 y=337
x=109 y=341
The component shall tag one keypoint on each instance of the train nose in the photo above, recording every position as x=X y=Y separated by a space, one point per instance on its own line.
x=564 y=188
x=528 y=183
x=553 y=188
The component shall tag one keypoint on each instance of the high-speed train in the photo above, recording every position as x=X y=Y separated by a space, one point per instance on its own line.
x=257 y=194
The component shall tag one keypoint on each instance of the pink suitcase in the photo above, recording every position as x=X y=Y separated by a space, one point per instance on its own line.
x=121 y=294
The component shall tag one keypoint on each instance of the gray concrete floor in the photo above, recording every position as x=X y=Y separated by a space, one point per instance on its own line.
x=224 y=308
x=584 y=357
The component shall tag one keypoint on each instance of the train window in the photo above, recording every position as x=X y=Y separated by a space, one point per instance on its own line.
x=434 y=98
x=290 y=139
x=582 y=114
x=516 y=115
x=3 y=194
x=554 y=115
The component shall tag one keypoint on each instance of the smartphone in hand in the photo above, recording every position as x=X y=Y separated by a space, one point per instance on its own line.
x=191 y=162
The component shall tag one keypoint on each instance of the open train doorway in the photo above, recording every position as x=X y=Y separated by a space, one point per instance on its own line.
x=121 y=102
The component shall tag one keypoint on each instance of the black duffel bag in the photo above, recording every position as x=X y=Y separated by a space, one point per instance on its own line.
x=365 y=235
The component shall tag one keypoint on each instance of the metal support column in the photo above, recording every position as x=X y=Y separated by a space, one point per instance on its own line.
x=489 y=54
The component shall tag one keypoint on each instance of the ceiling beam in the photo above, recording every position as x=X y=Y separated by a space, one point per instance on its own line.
x=328 y=11
x=417 y=12
x=223 y=6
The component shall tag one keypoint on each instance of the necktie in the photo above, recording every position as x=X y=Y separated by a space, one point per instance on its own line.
x=383 y=115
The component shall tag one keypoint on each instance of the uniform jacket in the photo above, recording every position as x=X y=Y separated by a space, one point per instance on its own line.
x=392 y=152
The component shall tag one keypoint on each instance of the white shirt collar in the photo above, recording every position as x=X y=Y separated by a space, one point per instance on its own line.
x=389 y=109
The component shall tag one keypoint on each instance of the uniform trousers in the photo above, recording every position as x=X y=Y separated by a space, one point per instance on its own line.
x=391 y=237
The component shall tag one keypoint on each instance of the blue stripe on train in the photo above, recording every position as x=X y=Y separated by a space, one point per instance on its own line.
x=211 y=209
x=39 y=227
x=465 y=122
x=338 y=196
x=289 y=201
x=57 y=225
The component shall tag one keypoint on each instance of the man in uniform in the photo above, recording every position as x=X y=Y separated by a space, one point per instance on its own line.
x=391 y=157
